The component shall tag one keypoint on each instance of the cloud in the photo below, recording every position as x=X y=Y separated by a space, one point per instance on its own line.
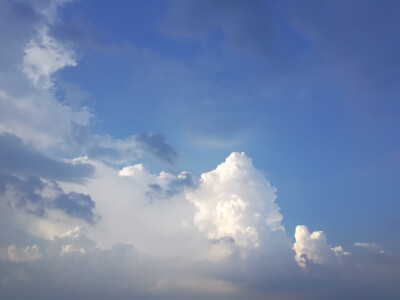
x=125 y=150
x=160 y=235
x=72 y=242
x=36 y=108
x=44 y=56
x=338 y=250
x=27 y=254
x=313 y=248
x=156 y=145
x=35 y=196
x=19 y=158
x=234 y=202
x=142 y=248
x=171 y=185
x=370 y=246
x=76 y=205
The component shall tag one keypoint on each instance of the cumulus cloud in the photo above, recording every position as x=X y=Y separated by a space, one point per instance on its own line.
x=313 y=247
x=27 y=254
x=158 y=249
x=44 y=56
x=338 y=250
x=72 y=242
x=233 y=202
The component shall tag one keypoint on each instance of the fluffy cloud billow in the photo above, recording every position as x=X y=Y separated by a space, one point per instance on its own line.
x=233 y=203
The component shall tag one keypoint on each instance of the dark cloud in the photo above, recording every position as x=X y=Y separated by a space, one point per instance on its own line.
x=77 y=205
x=156 y=145
x=173 y=187
x=178 y=183
x=27 y=194
x=24 y=192
x=18 y=158
x=121 y=150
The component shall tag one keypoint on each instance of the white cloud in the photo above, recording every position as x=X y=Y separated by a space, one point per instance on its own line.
x=44 y=56
x=72 y=241
x=338 y=250
x=313 y=247
x=233 y=202
x=370 y=247
x=132 y=171
x=27 y=254
x=71 y=249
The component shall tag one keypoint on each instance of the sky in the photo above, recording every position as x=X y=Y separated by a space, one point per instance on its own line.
x=220 y=149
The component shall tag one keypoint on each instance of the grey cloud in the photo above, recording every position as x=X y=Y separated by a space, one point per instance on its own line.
x=76 y=205
x=155 y=187
x=173 y=187
x=122 y=150
x=18 y=158
x=25 y=191
x=178 y=183
x=157 y=145
x=123 y=272
x=28 y=195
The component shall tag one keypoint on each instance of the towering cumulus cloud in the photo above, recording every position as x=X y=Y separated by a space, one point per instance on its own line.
x=233 y=203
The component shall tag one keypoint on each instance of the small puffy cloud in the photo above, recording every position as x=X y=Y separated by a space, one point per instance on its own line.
x=71 y=249
x=27 y=254
x=338 y=250
x=72 y=242
x=234 y=202
x=44 y=56
x=313 y=247
x=132 y=171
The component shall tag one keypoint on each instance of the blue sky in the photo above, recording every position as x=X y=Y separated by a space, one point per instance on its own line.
x=97 y=93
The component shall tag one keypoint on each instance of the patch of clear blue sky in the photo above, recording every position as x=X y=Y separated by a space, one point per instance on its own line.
x=303 y=105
